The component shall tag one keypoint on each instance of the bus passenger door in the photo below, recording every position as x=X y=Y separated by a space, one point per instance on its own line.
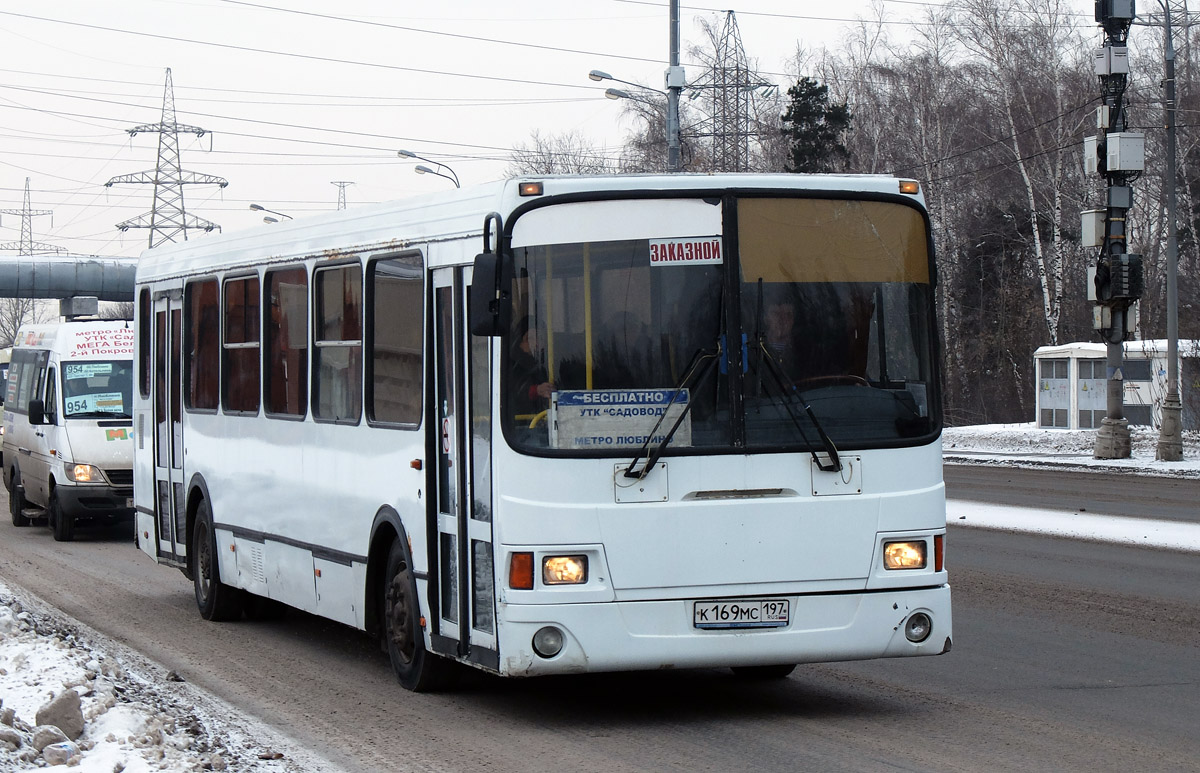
x=462 y=579
x=167 y=399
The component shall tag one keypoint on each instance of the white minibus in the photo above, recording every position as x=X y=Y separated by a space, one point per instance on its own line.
x=68 y=439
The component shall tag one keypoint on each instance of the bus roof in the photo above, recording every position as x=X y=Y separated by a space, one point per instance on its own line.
x=453 y=216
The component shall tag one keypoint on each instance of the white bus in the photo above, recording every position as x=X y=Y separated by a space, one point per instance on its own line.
x=659 y=422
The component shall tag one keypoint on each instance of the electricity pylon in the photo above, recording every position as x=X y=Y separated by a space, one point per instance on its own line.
x=729 y=86
x=27 y=246
x=341 y=184
x=168 y=219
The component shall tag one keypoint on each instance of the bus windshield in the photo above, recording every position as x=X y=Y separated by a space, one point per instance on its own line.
x=97 y=389
x=621 y=344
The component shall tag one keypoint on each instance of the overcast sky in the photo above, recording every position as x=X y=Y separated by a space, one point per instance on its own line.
x=297 y=94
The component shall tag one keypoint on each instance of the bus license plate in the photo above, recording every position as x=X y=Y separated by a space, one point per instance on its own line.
x=743 y=613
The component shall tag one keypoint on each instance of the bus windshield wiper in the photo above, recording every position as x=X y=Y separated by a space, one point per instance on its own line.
x=692 y=378
x=788 y=389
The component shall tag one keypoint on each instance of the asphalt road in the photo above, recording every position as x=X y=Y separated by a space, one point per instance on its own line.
x=1084 y=490
x=1069 y=656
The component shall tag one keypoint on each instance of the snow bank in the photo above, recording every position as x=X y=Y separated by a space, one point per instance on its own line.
x=1026 y=445
x=137 y=717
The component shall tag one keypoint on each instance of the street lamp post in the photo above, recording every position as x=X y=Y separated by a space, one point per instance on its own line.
x=672 y=95
x=1170 y=439
x=422 y=169
x=675 y=83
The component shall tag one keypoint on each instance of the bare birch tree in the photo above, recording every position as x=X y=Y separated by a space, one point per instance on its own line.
x=1030 y=63
x=566 y=153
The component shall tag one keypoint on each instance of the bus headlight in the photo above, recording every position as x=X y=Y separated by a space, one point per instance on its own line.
x=904 y=555
x=564 y=570
x=83 y=473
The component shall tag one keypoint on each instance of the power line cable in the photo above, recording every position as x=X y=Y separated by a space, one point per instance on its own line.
x=460 y=36
x=278 y=124
x=291 y=54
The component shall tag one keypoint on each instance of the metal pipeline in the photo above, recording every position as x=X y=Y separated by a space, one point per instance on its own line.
x=68 y=276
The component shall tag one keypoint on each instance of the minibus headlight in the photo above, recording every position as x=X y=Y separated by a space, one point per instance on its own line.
x=564 y=570
x=84 y=473
x=904 y=555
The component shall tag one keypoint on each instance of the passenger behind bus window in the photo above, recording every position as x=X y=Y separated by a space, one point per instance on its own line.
x=531 y=387
x=623 y=354
x=779 y=338
x=819 y=333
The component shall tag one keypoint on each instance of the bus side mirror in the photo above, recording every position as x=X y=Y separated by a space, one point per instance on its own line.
x=37 y=412
x=491 y=294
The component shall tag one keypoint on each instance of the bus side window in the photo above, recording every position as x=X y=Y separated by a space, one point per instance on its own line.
x=285 y=378
x=241 y=361
x=202 y=345
x=337 y=354
x=395 y=365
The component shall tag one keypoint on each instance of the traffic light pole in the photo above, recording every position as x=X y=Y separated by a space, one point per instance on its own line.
x=1118 y=274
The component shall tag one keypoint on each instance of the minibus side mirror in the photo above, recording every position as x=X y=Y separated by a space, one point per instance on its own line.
x=37 y=412
x=491 y=294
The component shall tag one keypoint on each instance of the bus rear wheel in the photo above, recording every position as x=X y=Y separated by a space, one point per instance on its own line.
x=416 y=668
x=63 y=524
x=216 y=600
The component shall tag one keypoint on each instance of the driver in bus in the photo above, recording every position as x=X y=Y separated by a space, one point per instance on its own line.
x=532 y=389
x=781 y=335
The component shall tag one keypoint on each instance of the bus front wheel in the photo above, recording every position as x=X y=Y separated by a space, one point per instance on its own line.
x=216 y=600
x=417 y=669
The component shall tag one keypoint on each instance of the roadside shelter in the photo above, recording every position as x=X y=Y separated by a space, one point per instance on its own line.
x=1072 y=390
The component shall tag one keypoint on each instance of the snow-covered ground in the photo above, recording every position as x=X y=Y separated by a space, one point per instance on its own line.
x=1025 y=445
x=137 y=717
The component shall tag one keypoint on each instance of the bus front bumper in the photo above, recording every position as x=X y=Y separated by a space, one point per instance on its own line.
x=645 y=635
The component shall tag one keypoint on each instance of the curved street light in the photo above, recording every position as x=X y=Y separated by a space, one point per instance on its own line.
x=675 y=83
x=600 y=75
x=261 y=208
x=422 y=169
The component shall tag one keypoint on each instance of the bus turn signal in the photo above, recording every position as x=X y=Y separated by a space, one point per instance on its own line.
x=520 y=571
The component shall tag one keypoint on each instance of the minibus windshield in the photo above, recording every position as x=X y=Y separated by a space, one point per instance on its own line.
x=97 y=389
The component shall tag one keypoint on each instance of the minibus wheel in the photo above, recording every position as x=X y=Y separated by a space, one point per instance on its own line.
x=16 y=499
x=216 y=600
x=61 y=523
x=417 y=669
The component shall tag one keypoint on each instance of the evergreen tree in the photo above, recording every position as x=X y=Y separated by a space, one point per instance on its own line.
x=814 y=129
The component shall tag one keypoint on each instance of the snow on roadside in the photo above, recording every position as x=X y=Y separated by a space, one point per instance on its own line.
x=1026 y=445
x=137 y=717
